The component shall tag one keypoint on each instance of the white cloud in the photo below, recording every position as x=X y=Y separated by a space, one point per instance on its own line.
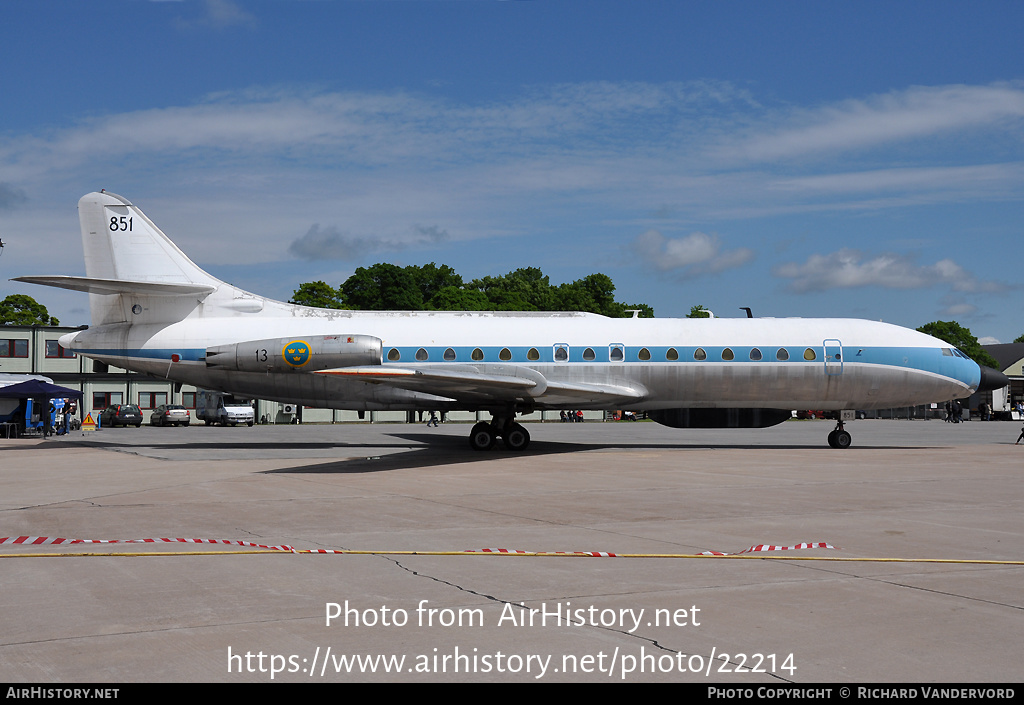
x=847 y=269
x=899 y=116
x=689 y=256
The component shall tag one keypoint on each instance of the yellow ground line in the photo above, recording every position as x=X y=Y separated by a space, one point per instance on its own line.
x=537 y=554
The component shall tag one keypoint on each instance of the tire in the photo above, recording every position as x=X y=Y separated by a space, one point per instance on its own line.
x=482 y=437
x=843 y=439
x=516 y=438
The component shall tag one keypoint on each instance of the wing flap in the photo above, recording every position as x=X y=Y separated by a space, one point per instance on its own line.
x=472 y=385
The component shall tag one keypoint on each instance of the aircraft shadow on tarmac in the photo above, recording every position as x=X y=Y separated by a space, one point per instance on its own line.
x=435 y=450
x=410 y=451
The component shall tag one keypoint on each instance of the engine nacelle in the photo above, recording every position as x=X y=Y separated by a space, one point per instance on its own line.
x=306 y=354
x=719 y=418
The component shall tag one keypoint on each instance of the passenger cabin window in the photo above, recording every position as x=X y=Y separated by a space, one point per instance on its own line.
x=394 y=355
x=505 y=354
x=644 y=354
x=589 y=355
x=755 y=354
x=616 y=353
x=782 y=354
x=477 y=354
x=809 y=354
x=421 y=355
x=532 y=354
x=699 y=354
x=561 y=353
x=671 y=354
x=449 y=354
x=727 y=354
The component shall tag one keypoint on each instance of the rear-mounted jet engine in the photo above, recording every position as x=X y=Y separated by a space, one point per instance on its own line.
x=307 y=354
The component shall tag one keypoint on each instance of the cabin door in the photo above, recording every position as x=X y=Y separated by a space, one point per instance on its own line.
x=833 y=357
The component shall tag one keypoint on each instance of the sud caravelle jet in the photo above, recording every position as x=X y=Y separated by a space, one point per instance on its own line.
x=154 y=311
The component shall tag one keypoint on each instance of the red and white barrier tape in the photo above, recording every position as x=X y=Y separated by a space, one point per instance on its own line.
x=762 y=548
x=47 y=541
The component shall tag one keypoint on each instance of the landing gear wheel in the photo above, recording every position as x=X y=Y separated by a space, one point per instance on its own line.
x=516 y=437
x=482 y=437
x=840 y=437
x=843 y=439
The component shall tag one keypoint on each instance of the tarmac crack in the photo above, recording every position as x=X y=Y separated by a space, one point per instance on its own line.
x=502 y=601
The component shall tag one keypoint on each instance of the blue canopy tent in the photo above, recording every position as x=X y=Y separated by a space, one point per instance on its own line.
x=33 y=391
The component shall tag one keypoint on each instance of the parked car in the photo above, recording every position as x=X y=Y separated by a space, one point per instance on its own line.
x=170 y=415
x=121 y=415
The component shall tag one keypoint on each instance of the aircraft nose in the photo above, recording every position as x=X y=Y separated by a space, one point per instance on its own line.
x=992 y=379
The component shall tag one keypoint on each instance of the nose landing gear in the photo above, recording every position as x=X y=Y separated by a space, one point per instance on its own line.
x=840 y=437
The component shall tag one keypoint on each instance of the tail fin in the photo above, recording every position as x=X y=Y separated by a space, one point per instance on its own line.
x=134 y=273
x=120 y=242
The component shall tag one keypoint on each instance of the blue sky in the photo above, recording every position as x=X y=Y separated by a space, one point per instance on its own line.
x=801 y=158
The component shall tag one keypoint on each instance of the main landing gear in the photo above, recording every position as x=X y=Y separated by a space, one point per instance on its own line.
x=484 y=435
x=840 y=437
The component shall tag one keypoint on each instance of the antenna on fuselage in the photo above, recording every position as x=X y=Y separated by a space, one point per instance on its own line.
x=747 y=309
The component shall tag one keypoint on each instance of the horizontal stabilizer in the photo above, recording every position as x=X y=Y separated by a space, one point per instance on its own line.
x=94 y=285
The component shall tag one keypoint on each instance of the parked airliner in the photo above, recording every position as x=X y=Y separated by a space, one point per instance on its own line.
x=154 y=311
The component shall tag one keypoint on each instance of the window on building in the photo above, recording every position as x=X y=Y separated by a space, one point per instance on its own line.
x=151 y=400
x=13 y=347
x=53 y=349
x=188 y=400
x=101 y=400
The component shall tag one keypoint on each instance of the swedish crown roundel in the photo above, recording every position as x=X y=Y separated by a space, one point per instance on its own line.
x=296 y=353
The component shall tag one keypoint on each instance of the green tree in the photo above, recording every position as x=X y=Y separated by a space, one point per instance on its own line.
x=22 y=310
x=318 y=294
x=383 y=287
x=961 y=338
x=1019 y=339
x=452 y=298
x=526 y=289
x=430 y=279
x=698 y=311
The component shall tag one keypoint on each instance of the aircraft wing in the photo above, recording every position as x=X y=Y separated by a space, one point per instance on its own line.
x=95 y=285
x=505 y=384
